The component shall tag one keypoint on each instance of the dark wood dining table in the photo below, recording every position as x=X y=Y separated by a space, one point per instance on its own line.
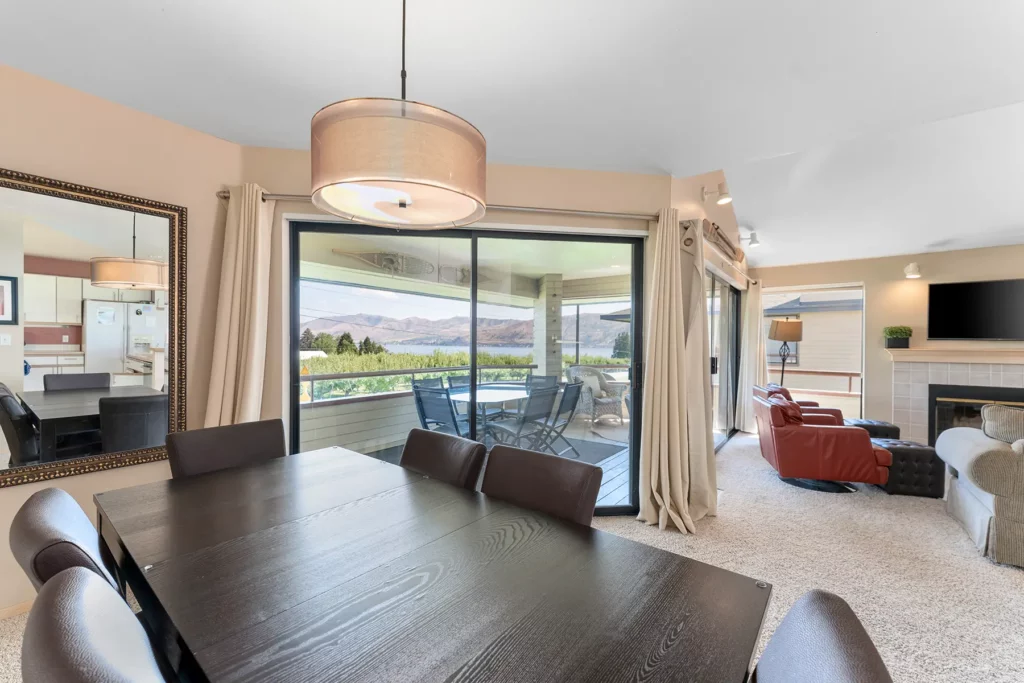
x=333 y=566
x=56 y=413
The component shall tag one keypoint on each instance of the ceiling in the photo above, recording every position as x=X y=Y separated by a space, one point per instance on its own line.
x=787 y=97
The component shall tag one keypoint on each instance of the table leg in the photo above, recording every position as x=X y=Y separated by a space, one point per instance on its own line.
x=47 y=440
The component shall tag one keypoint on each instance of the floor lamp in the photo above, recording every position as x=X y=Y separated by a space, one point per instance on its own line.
x=786 y=331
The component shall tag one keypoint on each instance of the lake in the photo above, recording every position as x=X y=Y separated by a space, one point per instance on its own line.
x=426 y=349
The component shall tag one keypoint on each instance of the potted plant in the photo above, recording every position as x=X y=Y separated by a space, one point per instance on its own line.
x=897 y=337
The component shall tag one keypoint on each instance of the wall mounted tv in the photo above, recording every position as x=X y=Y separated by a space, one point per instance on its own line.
x=976 y=310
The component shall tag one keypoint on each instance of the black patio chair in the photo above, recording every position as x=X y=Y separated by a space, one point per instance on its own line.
x=437 y=412
x=526 y=429
x=557 y=424
x=461 y=382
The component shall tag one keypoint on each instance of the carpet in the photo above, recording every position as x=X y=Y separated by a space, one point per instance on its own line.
x=934 y=607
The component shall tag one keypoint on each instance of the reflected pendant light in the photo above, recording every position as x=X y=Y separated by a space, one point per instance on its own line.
x=396 y=163
x=114 y=272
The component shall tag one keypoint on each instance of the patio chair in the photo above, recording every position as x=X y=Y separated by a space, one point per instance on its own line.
x=462 y=381
x=541 y=381
x=557 y=424
x=527 y=428
x=601 y=394
x=437 y=412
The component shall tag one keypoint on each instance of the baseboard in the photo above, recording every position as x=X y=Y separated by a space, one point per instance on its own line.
x=15 y=610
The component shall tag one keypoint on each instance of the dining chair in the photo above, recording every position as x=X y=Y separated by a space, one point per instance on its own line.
x=546 y=483
x=555 y=427
x=527 y=427
x=51 y=533
x=821 y=639
x=85 y=380
x=22 y=437
x=438 y=412
x=219 y=448
x=81 y=631
x=444 y=457
x=131 y=422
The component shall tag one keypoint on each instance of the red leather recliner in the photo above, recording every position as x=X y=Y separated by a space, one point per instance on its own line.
x=799 y=449
x=806 y=407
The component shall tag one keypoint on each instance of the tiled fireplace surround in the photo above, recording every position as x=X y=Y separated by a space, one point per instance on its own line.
x=910 y=380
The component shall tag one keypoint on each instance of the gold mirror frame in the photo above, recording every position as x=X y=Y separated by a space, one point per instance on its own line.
x=177 y=221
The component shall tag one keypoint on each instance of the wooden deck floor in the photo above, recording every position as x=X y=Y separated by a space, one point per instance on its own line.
x=615 y=481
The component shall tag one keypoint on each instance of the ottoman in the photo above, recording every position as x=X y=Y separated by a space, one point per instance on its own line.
x=876 y=429
x=915 y=469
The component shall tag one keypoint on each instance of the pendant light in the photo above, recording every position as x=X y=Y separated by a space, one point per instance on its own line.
x=397 y=163
x=114 y=272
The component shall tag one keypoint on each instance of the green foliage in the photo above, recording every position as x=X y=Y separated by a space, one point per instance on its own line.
x=346 y=344
x=306 y=340
x=623 y=346
x=897 y=332
x=325 y=342
x=370 y=347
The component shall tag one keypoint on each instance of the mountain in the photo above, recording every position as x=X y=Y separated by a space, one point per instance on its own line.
x=454 y=331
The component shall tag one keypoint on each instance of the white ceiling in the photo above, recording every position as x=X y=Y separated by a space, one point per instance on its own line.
x=781 y=95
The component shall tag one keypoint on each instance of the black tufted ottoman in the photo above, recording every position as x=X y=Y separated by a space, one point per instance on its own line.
x=876 y=428
x=915 y=470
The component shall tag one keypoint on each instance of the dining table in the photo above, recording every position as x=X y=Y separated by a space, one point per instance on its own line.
x=497 y=394
x=330 y=565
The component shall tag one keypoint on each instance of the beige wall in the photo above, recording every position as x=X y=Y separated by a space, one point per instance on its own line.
x=12 y=264
x=891 y=299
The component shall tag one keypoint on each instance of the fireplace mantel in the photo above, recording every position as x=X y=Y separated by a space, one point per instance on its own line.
x=958 y=355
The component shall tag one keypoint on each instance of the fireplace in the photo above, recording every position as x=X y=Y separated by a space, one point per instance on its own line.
x=954 y=405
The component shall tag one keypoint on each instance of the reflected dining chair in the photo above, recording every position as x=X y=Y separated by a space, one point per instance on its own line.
x=81 y=631
x=444 y=457
x=546 y=483
x=131 y=422
x=22 y=437
x=820 y=639
x=51 y=533
x=219 y=448
x=85 y=380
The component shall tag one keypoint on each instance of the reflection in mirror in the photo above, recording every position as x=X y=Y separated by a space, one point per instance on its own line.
x=83 y=329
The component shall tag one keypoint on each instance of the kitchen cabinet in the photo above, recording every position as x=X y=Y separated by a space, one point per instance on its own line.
x=97 y=293
x=40 y=298
x=69 y=300
x=137 y=295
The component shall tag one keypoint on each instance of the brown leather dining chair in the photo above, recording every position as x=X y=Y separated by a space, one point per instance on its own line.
x=444 y=457
x=821 y=640
x=219 y=448
x=51 y=533
x=81 y=631
x=545 y=483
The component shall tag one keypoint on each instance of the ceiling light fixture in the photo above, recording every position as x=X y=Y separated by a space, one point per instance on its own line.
x=752 y=239
x=912 y=271
x=398 y=163
x=114 y=272
x=722 y=193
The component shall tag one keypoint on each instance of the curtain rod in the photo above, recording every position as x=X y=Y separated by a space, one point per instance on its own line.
x=224 y=194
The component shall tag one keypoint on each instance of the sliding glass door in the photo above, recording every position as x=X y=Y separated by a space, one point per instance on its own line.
x=723 y=335
x=501 y=337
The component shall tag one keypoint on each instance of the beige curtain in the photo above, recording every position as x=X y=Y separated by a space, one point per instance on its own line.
x=240 y=338
x=753 y=357
x=675 y=434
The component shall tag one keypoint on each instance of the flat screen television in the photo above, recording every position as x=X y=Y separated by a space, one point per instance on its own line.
x=976 y=310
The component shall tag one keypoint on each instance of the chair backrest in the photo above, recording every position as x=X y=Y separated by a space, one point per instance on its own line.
x=774 y=388
x=81 y=631
x=458 y=381
x=437 y=407
x=130 y=422
x=539 y=404
x=51 y=533
x=444 y=457
x=220 y=448
x=85 y=380
x=429 y=382
x=570 y=400
x=821 y=639
x=16 y=424
x=545 y=483
x=539 y=381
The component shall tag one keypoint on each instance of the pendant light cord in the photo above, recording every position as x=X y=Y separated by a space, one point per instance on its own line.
x=133 y=236
x=403 y=49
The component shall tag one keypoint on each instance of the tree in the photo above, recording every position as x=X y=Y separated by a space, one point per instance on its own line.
x=346 y=344
x=623 y=347
x=369 y=347
x=306 y=340
x=325 y=342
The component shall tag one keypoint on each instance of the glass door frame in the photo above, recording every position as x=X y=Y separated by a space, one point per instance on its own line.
x=298 y=227
x=735 y=337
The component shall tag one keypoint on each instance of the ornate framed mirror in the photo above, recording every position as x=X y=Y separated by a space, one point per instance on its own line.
x=92 y=328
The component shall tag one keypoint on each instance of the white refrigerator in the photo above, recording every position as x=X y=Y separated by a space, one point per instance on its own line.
x=113 y=330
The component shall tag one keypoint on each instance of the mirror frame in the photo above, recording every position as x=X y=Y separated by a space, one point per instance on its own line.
x=177 y=223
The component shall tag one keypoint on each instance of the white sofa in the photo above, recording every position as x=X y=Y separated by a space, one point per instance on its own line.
x=986 y=491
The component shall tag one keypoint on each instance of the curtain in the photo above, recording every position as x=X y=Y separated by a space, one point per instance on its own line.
x=753 y=357
x=675 y=445
x=240 y=338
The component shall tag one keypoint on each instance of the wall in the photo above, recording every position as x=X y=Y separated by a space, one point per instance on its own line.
x=50 y=130
x=891 y=299
x=11 y=357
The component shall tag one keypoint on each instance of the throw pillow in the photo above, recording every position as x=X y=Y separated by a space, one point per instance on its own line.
x=791 y=413
x=1018 y=446
x=1003 y=423
x=594 y=384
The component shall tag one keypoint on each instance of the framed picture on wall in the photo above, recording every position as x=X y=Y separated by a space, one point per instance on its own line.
x=8 y=300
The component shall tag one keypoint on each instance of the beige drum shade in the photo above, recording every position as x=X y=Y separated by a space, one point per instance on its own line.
x=786 y=330
x=398 y=164
x=127 y=273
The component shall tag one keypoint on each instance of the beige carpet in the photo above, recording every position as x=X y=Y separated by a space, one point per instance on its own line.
x=936 y=609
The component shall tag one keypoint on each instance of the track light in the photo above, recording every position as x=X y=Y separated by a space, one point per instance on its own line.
x=912 y=271
x=722 y=193
x=754 y=242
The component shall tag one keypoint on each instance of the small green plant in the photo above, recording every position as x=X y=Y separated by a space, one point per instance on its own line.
x=897 y=332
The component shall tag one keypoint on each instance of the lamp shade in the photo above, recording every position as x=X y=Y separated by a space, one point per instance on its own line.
x=398 y=164
x=786 y=330
x=128 y=273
